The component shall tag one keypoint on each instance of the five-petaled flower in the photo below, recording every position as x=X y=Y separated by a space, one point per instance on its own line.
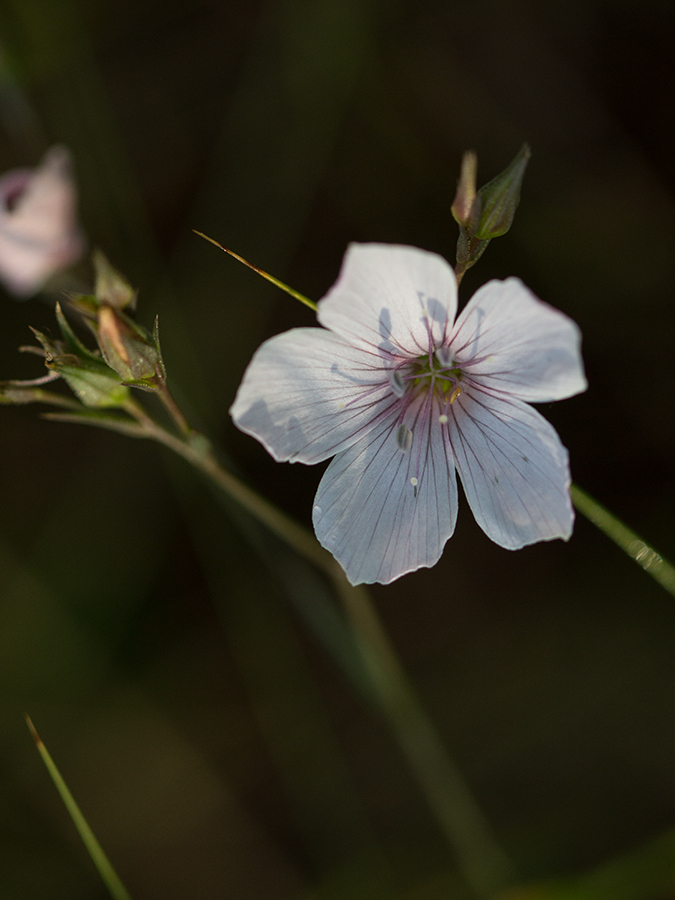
x=402 y=395
x=39 y=234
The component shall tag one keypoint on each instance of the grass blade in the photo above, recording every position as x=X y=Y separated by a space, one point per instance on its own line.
x=284 y=287
x=100 y=860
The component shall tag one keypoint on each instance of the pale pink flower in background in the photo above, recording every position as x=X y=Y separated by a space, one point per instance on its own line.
x=402 y=396
x=39 y=234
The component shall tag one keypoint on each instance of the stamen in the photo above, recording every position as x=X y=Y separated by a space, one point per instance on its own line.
x=414 y=483
x=404 y=438
x=443 y=419
x=426 y=318
x=444 y=357
x=396 y=382
x=455 y=394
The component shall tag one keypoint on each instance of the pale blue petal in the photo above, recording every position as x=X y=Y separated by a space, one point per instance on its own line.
x=391 y=297
x=307 y=395
x=513 y=469
x=512 y=342
x=369 y=514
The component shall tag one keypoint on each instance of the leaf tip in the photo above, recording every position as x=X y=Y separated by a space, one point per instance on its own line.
x=36 y=737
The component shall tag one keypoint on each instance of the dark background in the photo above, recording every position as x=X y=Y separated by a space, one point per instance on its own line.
x=215 y=747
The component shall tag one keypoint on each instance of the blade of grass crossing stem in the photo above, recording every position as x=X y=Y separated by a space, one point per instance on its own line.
x=284 y=287
x=100 y=860
x=644 y=555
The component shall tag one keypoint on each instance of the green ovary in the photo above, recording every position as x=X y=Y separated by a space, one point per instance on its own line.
x=445 y=380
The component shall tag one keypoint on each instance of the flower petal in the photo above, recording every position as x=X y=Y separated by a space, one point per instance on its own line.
x=307 y=395
x=513 y=468
x=511 y=341
x=391 y=297
x=370 y=513
x=38 y=228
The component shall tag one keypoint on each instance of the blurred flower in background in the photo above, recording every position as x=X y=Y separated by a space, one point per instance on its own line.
x=39 y=233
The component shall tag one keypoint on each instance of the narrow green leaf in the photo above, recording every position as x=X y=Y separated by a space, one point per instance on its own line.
x=100 y=860
x=270 y=278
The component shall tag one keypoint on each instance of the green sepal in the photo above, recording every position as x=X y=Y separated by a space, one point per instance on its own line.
x=72 y=342
x=93 y=382
x=112 y=288
x=86 y=304
x=499 y=198
x=52 y=348
x=161 y=368
x=94 y=388
x=144 y=384
x=469 y=249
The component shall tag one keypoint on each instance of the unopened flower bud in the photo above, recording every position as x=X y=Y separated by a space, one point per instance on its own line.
x=39 y=234
x=463 y=205
x=126 y=347
x=499 y=198
x=112 y=288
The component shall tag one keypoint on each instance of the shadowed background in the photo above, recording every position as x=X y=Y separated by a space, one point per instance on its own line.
x=157 y=640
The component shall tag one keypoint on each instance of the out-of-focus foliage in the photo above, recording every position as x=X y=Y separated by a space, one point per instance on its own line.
x=152 y=633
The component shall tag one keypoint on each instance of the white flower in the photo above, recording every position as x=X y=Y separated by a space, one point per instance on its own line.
x=401 y=395
x=38 y=227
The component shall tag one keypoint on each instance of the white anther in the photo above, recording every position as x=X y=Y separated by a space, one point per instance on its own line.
x=444 y=357
x=397 y=383
x=404 y=438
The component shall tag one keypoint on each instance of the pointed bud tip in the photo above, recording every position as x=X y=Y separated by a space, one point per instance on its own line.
x=36 y=737
x=499 y=198
x=465 y=198
x=112 y=288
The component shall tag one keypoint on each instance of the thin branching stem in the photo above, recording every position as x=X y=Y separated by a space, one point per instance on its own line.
x=482 y=862
x=173 y=409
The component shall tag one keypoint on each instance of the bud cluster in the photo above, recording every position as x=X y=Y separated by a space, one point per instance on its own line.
x=127 y=354
x=131 y=351
x=486 y=213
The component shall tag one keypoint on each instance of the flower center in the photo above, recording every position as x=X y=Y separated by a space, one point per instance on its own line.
x=436 y=373
x=435 y=378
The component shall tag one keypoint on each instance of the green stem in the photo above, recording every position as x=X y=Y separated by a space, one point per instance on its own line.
x=644 y=555
x=482 y=862
x=173 y=409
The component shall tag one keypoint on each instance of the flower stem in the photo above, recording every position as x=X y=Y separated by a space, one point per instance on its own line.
x=644 y=555
x=173 y=409
x=482 y=862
